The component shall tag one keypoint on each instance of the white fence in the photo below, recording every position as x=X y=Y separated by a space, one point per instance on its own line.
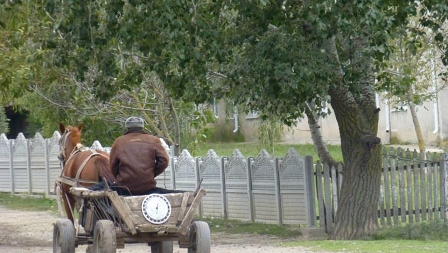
x=260 y=189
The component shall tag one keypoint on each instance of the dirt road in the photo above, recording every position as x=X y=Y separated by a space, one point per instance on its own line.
x=26 y=232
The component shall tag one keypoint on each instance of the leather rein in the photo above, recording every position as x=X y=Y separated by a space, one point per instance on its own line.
x=78 y=149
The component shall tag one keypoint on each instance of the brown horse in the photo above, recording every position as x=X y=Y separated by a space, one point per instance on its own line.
x=80 y=166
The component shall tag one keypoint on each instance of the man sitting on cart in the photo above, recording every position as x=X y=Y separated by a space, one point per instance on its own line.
x=136 y=158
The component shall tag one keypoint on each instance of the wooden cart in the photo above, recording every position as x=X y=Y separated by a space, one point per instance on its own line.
x=107 y=221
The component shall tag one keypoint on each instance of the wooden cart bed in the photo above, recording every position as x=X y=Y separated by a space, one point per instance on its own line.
x=126 y=211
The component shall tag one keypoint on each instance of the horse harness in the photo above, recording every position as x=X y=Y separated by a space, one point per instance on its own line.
x=78 y=149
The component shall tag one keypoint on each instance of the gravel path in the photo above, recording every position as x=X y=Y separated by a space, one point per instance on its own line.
x=26 y=232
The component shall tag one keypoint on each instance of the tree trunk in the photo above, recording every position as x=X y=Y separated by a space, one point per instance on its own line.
x=358 y=201
x=316 y=136
x=357 y=117
x=418 y=129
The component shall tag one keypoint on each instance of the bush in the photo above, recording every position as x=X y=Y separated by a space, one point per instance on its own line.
x=4 y=126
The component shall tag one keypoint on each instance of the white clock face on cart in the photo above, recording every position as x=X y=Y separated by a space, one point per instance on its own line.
x=156 y=208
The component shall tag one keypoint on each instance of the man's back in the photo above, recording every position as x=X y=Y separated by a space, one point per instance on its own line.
x=136 y=158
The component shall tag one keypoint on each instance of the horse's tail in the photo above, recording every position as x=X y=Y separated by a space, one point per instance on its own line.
x=104 y=170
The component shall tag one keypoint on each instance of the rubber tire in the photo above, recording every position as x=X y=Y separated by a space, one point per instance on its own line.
x=199 y=237
x=63 y=236
x=162 y=247
x=104 y=237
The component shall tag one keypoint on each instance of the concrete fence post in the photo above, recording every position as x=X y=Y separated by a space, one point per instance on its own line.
x=310 y=195
x=11 y=165
x=47 y=166
x=249 y=189
x=28 y=166
x=224 y=161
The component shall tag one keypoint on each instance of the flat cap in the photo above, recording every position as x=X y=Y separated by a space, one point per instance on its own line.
x=134 y=122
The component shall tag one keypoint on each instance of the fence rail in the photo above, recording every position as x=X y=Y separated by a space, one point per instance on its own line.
x=278 y=190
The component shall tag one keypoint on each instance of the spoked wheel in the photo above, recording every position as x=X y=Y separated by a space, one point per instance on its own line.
x=104 y=237
x=200 y=237
x=162 y=247
x=63 y=236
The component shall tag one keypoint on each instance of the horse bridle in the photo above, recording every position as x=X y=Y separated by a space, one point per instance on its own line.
x=62 y=154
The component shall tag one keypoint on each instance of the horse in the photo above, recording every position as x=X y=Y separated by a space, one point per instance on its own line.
x=80 y=166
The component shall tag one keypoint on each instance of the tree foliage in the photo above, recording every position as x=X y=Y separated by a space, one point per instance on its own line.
x=414 y=71
x=277 y=56
x=4 y=128
x=285 y=55
x=79 y=71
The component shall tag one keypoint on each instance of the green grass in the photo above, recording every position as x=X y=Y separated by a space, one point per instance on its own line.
x=28 y=203
x=396 y=246
x=419 y=237
x=434 y=230
x=253 y=149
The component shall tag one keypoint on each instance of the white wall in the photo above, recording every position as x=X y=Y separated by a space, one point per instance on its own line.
x=400 y=127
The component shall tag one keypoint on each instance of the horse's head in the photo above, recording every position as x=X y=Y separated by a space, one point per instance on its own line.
x=70 y=137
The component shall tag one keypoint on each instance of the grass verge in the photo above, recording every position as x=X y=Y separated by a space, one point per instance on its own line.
x=253 y=149
x=377 y=246
x=419 y=237
x=27 y=202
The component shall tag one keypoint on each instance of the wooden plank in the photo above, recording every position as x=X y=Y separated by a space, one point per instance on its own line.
x=387 y=187
x=394 y=189
x=401 y=179
x=381 y=204
x=320 y=195
x=334 y=185
x=184 y=226
x=409 y=186
x=416 y=186
x=328 y=205
x=430 y=172
x=183 y=207
x=436 y=188
x=151 y=228
x=84 y=192
x=123 y=210
x=443 y=186
x=423 y=174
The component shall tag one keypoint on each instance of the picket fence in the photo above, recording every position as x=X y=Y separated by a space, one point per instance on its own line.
x=414 y=187
x=277 y=190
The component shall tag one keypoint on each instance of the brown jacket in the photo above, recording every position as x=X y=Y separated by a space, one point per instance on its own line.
x=136 y=158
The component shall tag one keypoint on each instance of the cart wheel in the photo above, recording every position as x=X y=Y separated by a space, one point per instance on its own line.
x=199 y=237
x=162 y=247
x=104 y=237
x=63 y=236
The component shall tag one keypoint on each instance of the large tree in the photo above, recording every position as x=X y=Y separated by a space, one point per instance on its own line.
x=281 y=56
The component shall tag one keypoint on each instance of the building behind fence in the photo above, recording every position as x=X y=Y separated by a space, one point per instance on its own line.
x=285 y=190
